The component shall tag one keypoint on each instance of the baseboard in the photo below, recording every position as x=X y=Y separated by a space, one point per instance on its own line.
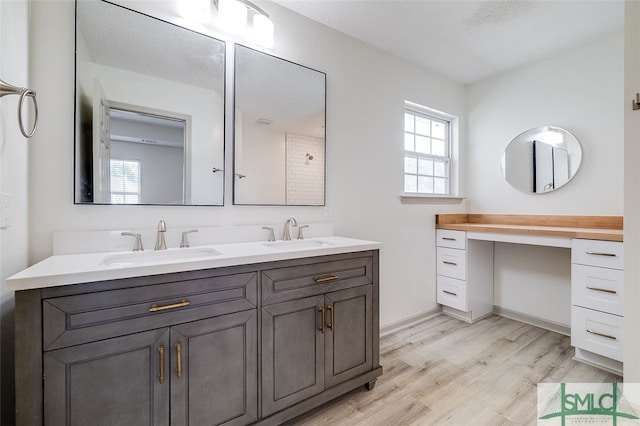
x=408 y=321
x=532 y=320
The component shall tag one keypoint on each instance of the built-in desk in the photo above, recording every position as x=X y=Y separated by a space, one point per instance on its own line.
x=464 y=251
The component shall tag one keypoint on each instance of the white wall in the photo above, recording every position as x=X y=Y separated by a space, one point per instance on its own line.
x=366 y=90
x=581 y=91
x=631 y=195
x=14 y=66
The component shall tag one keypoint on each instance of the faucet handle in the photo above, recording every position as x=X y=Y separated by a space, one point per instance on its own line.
x=184 y=242
x=300 y=228
x=272 y=236
x=137 y=246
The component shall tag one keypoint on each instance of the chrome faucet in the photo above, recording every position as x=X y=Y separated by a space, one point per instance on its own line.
x=287 y=233
x=137 y=246
x=160 y=242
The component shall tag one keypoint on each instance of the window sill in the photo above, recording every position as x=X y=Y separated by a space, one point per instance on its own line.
x=430 y=199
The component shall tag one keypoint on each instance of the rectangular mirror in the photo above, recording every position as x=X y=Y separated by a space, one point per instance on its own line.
x=149 y=110
x=279 y=131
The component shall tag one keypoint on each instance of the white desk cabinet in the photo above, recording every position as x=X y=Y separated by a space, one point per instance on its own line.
x=464 y=278
x=597 y=295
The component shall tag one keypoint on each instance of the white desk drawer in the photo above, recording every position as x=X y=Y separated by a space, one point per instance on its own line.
x=451 y=262
x=597 y=332
x=601 y=289
x=606 y=254
x=451 y=239
x=452 y=292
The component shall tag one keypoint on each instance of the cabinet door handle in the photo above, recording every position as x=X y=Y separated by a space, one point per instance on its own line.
x=326 y=279
x=449 y=263
x=604 y=290
x=161 y=364
x=321 y=329
x=181 y=304
x=448 y=238
x=179 y=360
x=599 y=253
x=332 y=317
x=449 y=292
x=607 y=336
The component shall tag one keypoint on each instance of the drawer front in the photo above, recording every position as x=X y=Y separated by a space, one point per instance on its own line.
x=451 y=263
x=314 y=278
x=451 y=239
x=597 y=332
x=452 y=293
x=601 y=289
x=606 y=254
x=81 y=318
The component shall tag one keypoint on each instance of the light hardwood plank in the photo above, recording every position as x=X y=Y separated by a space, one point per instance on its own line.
x=443 y=371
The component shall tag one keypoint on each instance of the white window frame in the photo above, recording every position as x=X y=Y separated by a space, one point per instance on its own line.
x=451 y=157
x=126 y=194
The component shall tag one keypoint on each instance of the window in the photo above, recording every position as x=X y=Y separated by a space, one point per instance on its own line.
x=427 y=158
x=125 y=181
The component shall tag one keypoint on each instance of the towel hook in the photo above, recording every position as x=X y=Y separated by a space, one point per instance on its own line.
x=7 y=89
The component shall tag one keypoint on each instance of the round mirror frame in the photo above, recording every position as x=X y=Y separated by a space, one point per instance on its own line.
x=541 y=159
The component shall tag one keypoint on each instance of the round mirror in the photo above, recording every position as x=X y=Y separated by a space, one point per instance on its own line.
x=541 y=159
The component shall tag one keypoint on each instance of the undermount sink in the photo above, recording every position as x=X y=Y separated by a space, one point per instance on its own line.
x=296 y=244
x=139 y=258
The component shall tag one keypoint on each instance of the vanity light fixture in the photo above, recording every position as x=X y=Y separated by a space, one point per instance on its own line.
x=245 y=17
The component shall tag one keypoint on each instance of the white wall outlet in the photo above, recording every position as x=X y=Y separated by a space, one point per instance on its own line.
x=4 y=210
x=327 y=210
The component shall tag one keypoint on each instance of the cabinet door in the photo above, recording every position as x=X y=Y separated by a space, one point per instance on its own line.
x=348 y=342
x=292 y=352
x=109 y=382
x=214 y=371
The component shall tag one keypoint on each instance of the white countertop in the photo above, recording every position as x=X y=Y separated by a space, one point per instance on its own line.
x=67 y=269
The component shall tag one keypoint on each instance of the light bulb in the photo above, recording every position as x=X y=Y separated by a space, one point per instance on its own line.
x=232 y=13
x=262 y=31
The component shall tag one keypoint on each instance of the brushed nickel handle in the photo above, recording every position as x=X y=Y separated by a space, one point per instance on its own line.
x=599 y=253
x=449 y=263
x=326 y=279
x=607 y=336
x=181 y=304
x=332 y=323
x=161 y=364
x=321 y=311
x=448 y=239
x=604 y=290
x=449 y=292
x=179 y=360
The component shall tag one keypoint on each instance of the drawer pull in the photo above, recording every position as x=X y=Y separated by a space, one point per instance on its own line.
x=161 y=364
x=326 y=279
x=602 y=335
x=321 y=311
x=448 y=239
x=604 y=290
x=332 y=322
x=449 y=263
x=450 y=292
x=178 y=360
x=598 y=253
x=181 y=304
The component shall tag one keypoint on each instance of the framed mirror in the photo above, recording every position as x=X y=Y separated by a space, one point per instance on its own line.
x=279 y=131
x=149 y=110
x=541 y=159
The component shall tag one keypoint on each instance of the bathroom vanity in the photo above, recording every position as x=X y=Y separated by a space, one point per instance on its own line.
x=465 y=262
x=225 y=339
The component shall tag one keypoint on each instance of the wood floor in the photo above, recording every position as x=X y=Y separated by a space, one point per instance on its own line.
x=443 y=371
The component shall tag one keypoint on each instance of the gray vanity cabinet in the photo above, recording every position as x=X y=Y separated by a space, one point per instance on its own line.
x=249 y=344
x=313 y=343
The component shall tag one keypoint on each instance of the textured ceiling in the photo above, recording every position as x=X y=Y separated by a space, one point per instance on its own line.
x=470 y=40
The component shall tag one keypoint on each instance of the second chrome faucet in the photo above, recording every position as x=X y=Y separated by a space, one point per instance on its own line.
x=161 y=244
